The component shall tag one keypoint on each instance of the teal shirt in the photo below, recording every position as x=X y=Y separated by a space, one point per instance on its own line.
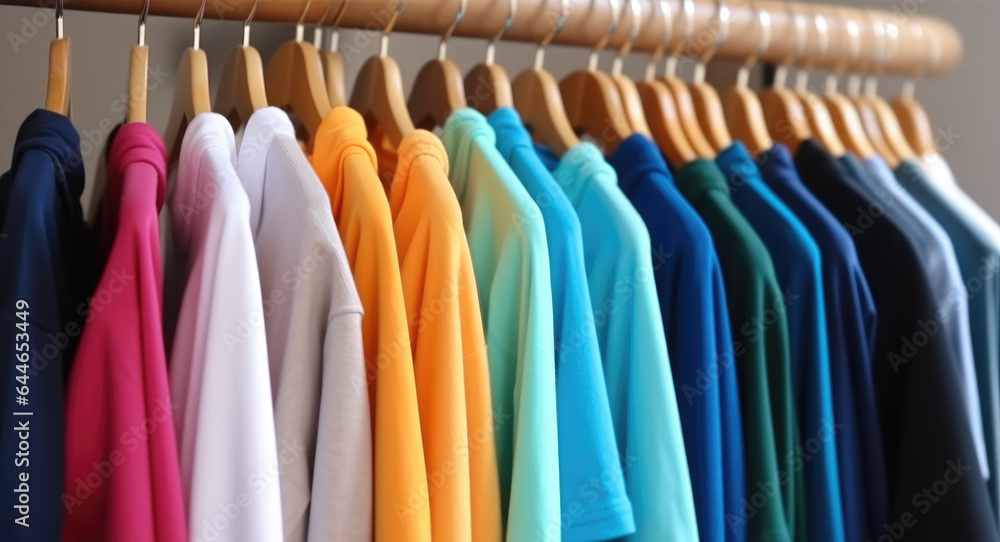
x=619 y=262
x=509 y=256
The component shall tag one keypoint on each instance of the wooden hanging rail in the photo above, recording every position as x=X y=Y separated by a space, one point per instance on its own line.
x=925 y=46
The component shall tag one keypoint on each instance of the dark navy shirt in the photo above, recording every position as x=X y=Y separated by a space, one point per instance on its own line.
x=44 y=279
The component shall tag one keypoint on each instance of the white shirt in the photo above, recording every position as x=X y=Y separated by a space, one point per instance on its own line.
x=956 y=306
x=940 y=174
x=312 y=314
x=219 y=377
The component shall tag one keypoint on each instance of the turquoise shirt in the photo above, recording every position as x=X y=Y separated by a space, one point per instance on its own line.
x=589 y=511
x=619 y=261
x=511 y=262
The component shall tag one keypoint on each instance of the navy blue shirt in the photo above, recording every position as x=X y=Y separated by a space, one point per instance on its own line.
x=850 y=323
x=44 y=273
x=936 y=489
x=696 y=321
x=797 y=265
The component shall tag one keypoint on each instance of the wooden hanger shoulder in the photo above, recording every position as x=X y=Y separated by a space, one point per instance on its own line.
x=333 y=74
x=711 y=119
x=537 y=98
x=916 y=125
x=891 y=130
x=593 y=106
x=191 y=96
x=138 y=91
x=57 y=91
x=241 y=88
x=745 y=119
x=785 y=117
x=869 y=120
x=293 y=81
x=488 y=88
x=848 y=125
x=688 y=117
x=667 y=132
x=821 y=124
x=632 y=104
x=437 y=91
x=378 y=96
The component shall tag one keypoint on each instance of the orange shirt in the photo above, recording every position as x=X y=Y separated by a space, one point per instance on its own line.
x=449 y=347
x=346 y=163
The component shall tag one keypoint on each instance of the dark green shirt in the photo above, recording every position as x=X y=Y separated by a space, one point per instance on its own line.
x=757 y=313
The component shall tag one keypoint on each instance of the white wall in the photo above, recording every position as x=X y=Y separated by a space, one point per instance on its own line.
x=964 y=102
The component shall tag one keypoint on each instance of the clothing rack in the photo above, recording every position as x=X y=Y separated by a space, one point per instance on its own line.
x=919 y=46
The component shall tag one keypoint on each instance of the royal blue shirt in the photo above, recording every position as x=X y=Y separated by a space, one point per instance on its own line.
x=44 y=280
x=587 y=448
x=696 y=322
x=850 y=323
x=925 y=433
x=797 y=265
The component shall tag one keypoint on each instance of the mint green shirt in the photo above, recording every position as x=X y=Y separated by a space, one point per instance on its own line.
x=511 y=262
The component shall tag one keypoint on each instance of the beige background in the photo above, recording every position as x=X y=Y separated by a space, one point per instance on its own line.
x=962 y=103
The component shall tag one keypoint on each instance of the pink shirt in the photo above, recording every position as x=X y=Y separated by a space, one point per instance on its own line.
x=122 y=476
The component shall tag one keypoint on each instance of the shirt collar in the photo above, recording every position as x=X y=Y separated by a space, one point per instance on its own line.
x=342 y=132
x=510 y=131
x=192 y=192
x=581 y=165
x=462 y=129
x=738 y=167
x=53 y=134
x=699 y=177
x=776 y=165
x=262 y=128
x=635 y=158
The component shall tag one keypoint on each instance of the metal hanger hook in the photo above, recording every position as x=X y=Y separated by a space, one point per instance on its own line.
x=246 y=23
x=334 y=32
x=59 y=19
x=665 y=13
x=540 y=52
x=599 y=46
x=491 y=47
x=197 y=24
x=722 y=19
x=616 y=66
x=384 y=47
x=459 y=15
x=142 y=23
x=763 y=25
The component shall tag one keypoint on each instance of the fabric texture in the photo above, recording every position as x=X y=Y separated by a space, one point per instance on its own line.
x=976 y=237
x=922 y=414
x=313 y=324
x=694 y=320
x=587 y=448
x=758 y=316
x=510 y=259
x=119 y=416
x=345 y=163
x=449 y=345
x=851 y=321
x=797 y=265
x=45 y=270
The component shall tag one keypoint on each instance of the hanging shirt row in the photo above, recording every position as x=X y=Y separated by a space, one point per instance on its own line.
x=470 y=338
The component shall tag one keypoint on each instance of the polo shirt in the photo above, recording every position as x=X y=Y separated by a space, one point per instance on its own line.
x=119 y=417
x=851 y=321
x=977 y=248
x=510 y=258
x=313 y=326
x=922 y=414
x=345 y=163
x=758 y=315
x=446 y=334
x=587 y=448
x=45 y=262
x=797 y=265
x=937 y=250
x=694 y=319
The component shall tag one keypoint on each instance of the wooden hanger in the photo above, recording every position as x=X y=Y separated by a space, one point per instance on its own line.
x=842 y=111
x=627 y=90
x=191 y=95
x=593 y=105
x=537 y=98
x=241 y=89
x=883 y=111
x=820 y=122
x=744 y=114
x=658 y=104
x=57 y=91
x=707 y=105
x=862 y=103
x=378 y=91
x=332 y=60
x=438 y=89
x=912 y=118
x=137 y=69
x=786 y=118
x=686 y=114
x=294 y=82
x=487 y=86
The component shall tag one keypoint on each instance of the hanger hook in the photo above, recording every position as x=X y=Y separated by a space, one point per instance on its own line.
x=801 y=29
x=654 y=58
x=599 y=46
x=59 y=19
x=197 y=24
x=334 y=33
x=763 y=26
x=459 y=15
x=142 y=23
x=246 y=23
x=722 y=19
x=878 y=55
x=540 y=52
x=384 y=47
x=933 y=57
x=822 y=44
x=300 y=25
x=633 y=33
x=491 y=47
